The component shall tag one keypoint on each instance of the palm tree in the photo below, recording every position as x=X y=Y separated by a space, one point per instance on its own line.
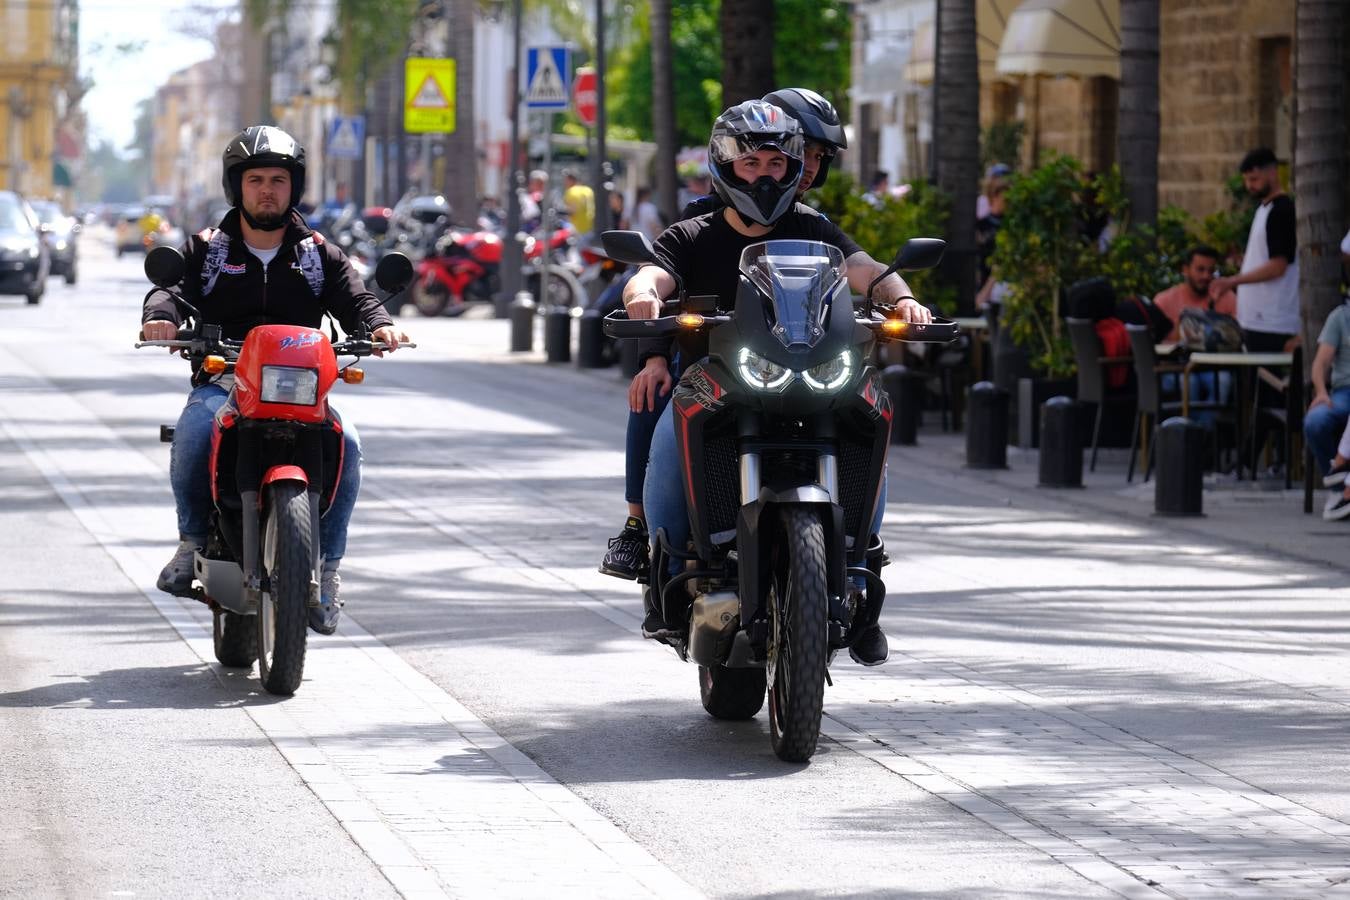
x=957 y=139
x=1319 y=157
x=663 y=108
x=460 y=157
x=1138 y=132
x=747 y=49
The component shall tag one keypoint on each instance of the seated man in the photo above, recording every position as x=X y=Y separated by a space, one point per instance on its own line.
x=1197 y=275
x=1330 y=407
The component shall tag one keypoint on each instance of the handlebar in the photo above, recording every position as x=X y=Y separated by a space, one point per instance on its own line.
x=618 y=325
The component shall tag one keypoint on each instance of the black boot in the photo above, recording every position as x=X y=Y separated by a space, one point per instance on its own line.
x=869 y=646
x=654 y=625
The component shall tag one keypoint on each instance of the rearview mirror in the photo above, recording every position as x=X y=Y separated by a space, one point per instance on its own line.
x=164 y=266
x=630 y=247
x=394 y=272
x=919 y=253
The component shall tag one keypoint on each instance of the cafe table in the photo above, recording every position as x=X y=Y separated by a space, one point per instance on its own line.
x=1235 y=362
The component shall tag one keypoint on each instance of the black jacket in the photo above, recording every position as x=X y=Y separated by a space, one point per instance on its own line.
x=246 y=295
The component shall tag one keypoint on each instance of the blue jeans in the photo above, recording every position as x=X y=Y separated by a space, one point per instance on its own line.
x=638 y=448
x=1323 y=426
x=189 y=473
x=1204 y=387
x=663 y=498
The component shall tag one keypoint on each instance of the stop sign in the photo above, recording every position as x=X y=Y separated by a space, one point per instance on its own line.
x=584 y=96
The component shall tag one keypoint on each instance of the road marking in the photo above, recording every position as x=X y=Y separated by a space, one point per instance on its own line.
x=440 y=802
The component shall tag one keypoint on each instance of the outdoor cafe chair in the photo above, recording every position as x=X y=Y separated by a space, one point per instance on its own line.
x=1148 y=375
x=1092 y=377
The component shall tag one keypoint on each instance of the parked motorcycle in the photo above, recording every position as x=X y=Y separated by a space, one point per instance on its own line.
x=466 y=268
x=276 y=461
x=783 y=431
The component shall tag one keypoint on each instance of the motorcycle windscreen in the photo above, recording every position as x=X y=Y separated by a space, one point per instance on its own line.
x=797 y=280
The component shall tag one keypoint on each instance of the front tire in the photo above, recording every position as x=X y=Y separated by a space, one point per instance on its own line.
x=235 y=638
x=283 y=611
x=731 y=694
x=799 y=638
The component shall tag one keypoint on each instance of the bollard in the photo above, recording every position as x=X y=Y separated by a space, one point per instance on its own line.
x=591 y=341
x=1180 y=447
x=629 y=351
x=986 y=426
x=522 y=323
x=1061 y=444
x=557 y=334
x=905 y=388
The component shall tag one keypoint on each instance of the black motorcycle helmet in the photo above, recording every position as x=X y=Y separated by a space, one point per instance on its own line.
x=819 y=122
x=256 y=147
x=741 y=130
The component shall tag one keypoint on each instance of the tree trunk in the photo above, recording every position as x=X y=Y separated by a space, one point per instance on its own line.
x=663 y=108
x=1138 y=130
x=1319 y=164
x=747 y=50
x=460 y=157
x=957 y=145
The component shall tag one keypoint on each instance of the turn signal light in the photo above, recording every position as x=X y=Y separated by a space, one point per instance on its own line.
x=353 y=375
x=894 y=326
x=213 y=365
x=689 y=320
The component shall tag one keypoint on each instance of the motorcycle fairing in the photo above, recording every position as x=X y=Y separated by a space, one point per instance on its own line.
x=289 y=346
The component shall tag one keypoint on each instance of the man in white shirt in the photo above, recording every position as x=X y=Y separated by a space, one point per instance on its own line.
x=1267 y=286
x=646 y=217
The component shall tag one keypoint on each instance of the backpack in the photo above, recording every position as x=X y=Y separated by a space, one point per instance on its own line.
x=1209 y=331
x=307 y=257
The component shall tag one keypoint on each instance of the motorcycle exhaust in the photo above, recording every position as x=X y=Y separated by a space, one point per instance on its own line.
x=712 y=626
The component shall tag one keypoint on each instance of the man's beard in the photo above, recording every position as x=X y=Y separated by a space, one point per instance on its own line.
x=271 y=221
x=268 y=219
x=1196 y=289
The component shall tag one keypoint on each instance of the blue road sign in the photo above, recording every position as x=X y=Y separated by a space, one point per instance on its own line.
x=548 y=82
x=346 y=137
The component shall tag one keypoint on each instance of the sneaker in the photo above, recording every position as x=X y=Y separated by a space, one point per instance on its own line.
x=1337 y=508
x=654 y=625
x=176 y=578
x=628 y=554
x=870 y=647
x=324 y=617
x=1337 y=474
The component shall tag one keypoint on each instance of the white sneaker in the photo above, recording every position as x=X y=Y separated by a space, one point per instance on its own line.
x=176 y=578
x=1338 y=508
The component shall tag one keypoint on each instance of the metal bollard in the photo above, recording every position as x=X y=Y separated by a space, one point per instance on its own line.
x=629 y=350
x=591 y=341
x=1180 y=449
x=522 y=323
x=986 y=426
x=905 y=388
x=558 y=334
x=1061 y=463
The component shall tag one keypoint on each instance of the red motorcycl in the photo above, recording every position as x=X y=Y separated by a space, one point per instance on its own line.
x=276 y=461
x=465 y=268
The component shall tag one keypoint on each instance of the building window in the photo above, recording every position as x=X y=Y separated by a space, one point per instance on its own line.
x=1276 y=97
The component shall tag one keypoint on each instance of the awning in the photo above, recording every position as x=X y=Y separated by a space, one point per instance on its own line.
x=61 y=176
x=1062 y=37
x=991 y=17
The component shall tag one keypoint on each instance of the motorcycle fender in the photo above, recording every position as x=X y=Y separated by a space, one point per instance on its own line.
x=755 y=526
x=284 y=473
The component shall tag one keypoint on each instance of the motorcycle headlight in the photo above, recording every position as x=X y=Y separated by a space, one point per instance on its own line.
x=287 y=384
x=760 y=373
x=832 y=375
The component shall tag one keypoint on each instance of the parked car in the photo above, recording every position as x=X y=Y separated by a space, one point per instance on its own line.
x=61 y=235
x=23 y=255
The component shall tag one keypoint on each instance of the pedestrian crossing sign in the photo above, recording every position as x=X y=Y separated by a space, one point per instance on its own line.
x=429 y=96
x=548 y=83
x=346 y=137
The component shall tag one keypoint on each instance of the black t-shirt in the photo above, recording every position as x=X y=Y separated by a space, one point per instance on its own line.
x=706 y=253
x=1281 y=229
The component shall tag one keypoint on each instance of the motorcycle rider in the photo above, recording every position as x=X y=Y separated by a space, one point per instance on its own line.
x=262 y=265
x=649 y=391
x=756 y=161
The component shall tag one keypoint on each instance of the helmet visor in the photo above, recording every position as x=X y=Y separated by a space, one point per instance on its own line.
x=725 y=148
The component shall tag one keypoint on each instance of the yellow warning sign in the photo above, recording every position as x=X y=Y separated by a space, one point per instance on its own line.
x=429 y=96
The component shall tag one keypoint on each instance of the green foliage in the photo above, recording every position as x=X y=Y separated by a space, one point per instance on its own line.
x=1039 y=251
x=697 y=51
x=1141 y=260
x=811 y=43
x=1226 y=230
x=1002 y=143
x=881 y=231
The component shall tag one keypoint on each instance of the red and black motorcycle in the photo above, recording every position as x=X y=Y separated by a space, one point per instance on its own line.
x=276 y=461
x=465 y=268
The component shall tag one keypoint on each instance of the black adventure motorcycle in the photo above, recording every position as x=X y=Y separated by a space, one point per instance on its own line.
x=782 y=434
